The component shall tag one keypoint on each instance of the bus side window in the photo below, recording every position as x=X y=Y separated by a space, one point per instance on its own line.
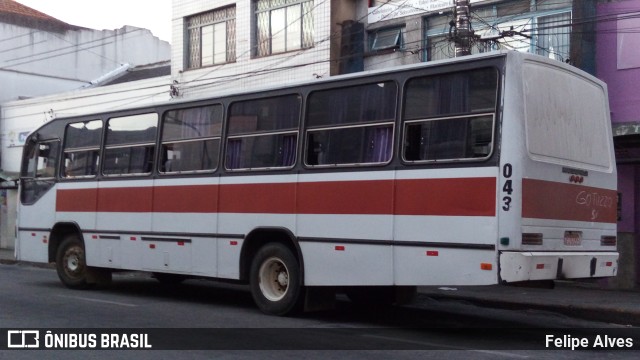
x=130 y=144
x=450 y=117
x=190 y=140
x=351 y=125
x=263 y=133
x=82 y=149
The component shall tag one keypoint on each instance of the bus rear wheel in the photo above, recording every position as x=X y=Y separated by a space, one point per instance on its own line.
x=275 y=280
x=71 y=263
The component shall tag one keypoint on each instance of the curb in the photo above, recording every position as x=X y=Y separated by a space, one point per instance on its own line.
x=616 y=316
x=27 y=263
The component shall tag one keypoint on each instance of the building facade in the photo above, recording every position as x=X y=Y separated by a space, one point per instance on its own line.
x=49 y=68
x=618 y=64
x=42 y=55
x=236 y=45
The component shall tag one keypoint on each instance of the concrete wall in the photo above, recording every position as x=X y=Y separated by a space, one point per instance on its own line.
x=37 y=62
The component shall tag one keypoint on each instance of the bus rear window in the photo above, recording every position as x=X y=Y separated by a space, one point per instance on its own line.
x=566 y=118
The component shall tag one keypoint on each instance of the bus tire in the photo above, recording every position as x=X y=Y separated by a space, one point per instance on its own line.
x=71 y=264
x=166 y=279
x=381 y=296
x=275 y=280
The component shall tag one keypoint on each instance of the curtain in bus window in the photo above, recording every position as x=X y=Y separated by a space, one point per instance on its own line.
x=380 y=141
x=288 y=150
x=339 y=130
x=444 y=139
x=192 y=123
x=448 y=94
x=197 y=123
x=353 y=105
x=234 y=153
x=281 y=113
x=454 y=95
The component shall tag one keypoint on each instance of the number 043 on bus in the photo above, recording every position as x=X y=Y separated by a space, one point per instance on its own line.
x=493 y=168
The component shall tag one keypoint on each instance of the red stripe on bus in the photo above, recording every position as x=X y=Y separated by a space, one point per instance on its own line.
x=371 y=197
x=557 y=201
x=258 y=198
x=82 y=200
x=183 y=199
x=136 y=199
x=445 y=197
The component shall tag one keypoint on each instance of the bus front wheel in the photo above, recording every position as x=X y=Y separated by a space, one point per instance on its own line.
x=275 y=280
x=71 y=263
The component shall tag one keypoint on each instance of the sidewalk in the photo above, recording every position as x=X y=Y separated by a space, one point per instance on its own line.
x=576 y=299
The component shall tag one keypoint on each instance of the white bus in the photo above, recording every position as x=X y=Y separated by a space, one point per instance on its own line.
x=492 y=168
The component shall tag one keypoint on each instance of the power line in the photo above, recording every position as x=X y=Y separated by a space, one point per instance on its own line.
x=276 y=67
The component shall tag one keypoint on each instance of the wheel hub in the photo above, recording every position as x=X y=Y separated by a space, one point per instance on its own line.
x=274 y=279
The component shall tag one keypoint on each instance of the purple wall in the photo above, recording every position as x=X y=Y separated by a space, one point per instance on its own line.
x=626 y=185
x=623 y=82
x=618 y=64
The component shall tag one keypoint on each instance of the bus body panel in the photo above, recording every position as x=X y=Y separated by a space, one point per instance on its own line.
x=558 y=187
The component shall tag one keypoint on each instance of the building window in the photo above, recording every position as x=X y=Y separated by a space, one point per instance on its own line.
x=548 y=35
x=212 y=38
x=384 y=39
x=283 y=25
x=554 y=33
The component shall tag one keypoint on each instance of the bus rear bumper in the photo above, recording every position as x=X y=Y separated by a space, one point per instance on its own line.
x=525 y=266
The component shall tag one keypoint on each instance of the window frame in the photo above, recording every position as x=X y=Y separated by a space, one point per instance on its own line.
x=189 y=140
x=450 y=115
x=230 y=37
x=470 y=116
x=150 y=145
x=246 y=134
x=95 y=149
x=375 y=36
x=378 y=123
x=264 y=50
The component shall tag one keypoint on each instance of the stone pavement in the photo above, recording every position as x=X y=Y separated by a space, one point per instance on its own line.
x=584 y=300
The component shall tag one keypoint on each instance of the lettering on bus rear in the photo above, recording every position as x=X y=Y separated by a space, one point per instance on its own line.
x=594 y=200
x=507 y=188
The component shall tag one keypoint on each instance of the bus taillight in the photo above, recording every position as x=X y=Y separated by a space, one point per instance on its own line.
x=531 y=239
x=608 y=241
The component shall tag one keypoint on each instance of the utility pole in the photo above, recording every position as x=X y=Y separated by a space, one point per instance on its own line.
x=464 y=32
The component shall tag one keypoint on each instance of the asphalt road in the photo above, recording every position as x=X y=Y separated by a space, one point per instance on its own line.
x=201 y=315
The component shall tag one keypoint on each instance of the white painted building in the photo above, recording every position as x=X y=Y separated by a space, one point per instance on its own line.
x=222 y=46
x=40 y=55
